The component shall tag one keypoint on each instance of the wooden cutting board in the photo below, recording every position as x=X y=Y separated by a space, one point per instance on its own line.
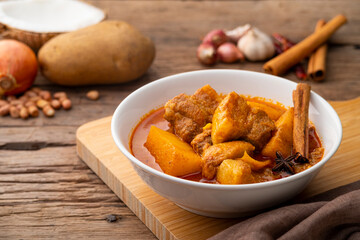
x=168 y=221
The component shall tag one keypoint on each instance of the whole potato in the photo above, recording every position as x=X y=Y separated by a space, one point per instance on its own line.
x=105 y=53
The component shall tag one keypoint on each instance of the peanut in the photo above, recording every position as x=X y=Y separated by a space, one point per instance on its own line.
x=14 y=112
x=35 y=99
x=46 y=95
x=33 y=111
x=66 y=104
x=30 y=94
x=19 y=106
x=55 y=104
x=10 y=98
x=62 y=99
x=16 y=102
x=59 y=95
x=3 y=102
x=41 y=103
x=36 y=90
x=93 y=95
x=29 y=103
x=23 y=98
x=24 y=114
x=4 y=110
x=48 y=111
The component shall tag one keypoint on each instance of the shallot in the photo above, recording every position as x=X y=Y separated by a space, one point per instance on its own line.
x=215 y=37
x=229 y=53
x=18 y=67
x=206 y=53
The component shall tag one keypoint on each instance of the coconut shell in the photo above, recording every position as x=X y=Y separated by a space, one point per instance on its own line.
x=35 y=40
x=32 y=39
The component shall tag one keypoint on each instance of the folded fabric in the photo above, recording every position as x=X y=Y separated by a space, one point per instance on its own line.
x=334 y=214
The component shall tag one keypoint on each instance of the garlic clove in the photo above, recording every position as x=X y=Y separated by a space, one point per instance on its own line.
x=235 y=34
x=256 y=45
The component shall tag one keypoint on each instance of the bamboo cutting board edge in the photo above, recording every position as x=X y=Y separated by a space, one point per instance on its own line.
x=166 y=220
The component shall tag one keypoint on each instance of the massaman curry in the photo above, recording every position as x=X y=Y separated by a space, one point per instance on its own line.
x=228 y=138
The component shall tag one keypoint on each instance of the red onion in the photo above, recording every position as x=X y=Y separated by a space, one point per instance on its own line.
x=229 y=53
x=18 y=67
x=206 y=53
x=215 y=37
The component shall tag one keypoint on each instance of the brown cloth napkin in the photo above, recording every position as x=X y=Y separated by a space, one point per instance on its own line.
x=334 y=214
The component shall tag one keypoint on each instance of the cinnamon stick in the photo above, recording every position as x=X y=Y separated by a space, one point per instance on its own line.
x=317 y=63
x=281 y=45
x=301 y=99
x=289 y=58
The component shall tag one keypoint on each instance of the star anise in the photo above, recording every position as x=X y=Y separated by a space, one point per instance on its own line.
x=284 y=164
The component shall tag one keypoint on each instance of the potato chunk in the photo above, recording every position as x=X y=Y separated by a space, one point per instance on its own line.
x=255 y=164
x=273 y=113
x=234 y=172
x=283 y=138
x=174 y=156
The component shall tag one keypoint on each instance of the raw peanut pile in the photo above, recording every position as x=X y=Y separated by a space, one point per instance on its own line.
x=32 y=101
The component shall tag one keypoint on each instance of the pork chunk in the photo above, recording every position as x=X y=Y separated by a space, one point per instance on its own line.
x=215 y=154
x=261 y=127
x=188 y=114
x=230 y=119
x=208 y=99
x=202 y=141
x=183 y=105
x=234 y=119
x=185 y=128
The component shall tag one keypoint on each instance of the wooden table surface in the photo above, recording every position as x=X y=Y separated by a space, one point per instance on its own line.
x=46 y=191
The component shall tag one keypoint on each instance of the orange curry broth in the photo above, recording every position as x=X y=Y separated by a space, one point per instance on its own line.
x=155 y=117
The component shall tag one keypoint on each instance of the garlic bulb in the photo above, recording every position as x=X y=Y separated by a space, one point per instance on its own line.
x=256 y=45
x=235 y=34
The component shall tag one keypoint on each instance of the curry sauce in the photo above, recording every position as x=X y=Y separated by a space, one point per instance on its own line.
x=155 y=117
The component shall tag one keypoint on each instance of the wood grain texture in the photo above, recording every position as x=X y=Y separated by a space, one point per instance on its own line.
x=174 y=20
x=45 y=188
x=168 y=221
x=50 y=193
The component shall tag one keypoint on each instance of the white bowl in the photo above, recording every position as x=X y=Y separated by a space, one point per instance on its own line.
x=217 y=200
